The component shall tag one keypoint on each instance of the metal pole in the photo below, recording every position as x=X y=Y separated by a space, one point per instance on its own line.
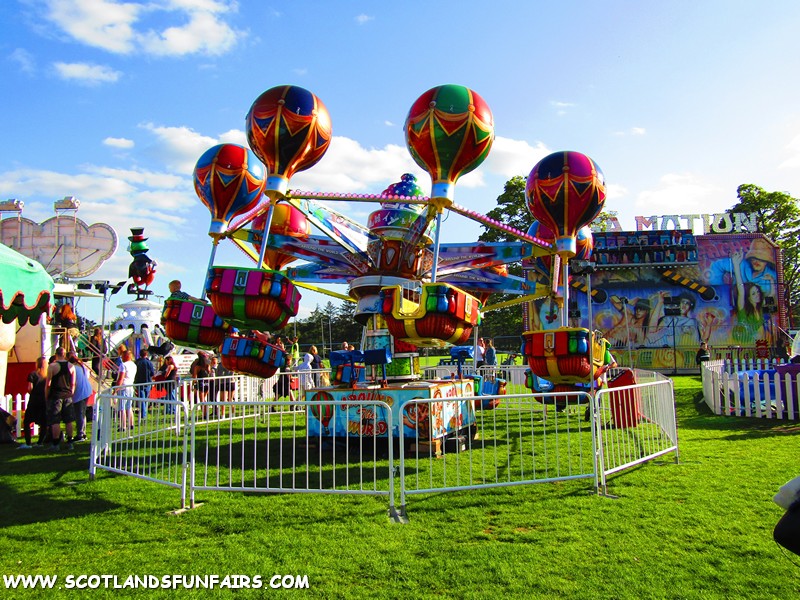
x=565 y=308
x=210 y=264
x=265 y=235
x=674 y=350
x=436 y=247
x=627 y=330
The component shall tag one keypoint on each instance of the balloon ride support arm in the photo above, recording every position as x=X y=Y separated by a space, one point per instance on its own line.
x=436 y=246
x=265 y=234
x=515 y=301
x=322 y=290
x=489 y=222
x=210 y=264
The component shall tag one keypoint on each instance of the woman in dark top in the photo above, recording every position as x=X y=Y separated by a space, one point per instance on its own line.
x=36 y=411
x=98 y=347
x=201 y=371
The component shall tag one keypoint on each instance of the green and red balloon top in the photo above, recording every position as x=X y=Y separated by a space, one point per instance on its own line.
x=449 y=132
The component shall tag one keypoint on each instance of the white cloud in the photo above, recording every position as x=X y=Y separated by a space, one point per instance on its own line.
x=681 y=194
x=178 y=148
x=614 y=191
x=348 y=166
x=362 y=19
x=631 y=131
x=793 y=161
x=122 y=143
x=23 y=59
x=86 y=73
x=513 y=157
x=105 y=24
x=204 y=33
x=113 y=26
x=300 y=71
x=388 y=123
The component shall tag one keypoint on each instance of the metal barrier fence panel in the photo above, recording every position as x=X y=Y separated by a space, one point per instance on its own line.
x=636 y=423
x=241 y=439
x=523 y=439
x=266 y=447
x=154 y=448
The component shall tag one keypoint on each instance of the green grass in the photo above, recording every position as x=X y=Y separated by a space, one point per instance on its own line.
x=699 y=529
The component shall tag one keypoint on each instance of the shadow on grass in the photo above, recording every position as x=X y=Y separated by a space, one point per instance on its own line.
x=43 y=507
x=738 y=428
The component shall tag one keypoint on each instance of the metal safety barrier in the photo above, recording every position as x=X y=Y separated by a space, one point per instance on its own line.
x=249 y=442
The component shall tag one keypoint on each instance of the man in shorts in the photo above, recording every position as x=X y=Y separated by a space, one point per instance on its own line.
x=59 y=390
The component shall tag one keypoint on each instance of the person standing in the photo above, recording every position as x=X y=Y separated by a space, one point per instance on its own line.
x=201 y=372
x=316 y=364
x=490 y=354
x=69 y=320
x=99 y=349
x=295 y=351
x=125 y=379
x=702 y=355
x=170 y=372
x=226 y=384
x=304 y=375
x=481 y=352
x=83 y=390
x=59 y=391
x=36 y=409
x=144 y=377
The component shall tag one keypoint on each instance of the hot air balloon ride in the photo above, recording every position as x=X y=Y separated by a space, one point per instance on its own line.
x=229 y=180
x=565 y=191
x=449 y=132
x=411 y=291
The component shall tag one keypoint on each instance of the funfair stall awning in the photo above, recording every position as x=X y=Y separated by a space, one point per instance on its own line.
x=25 y=288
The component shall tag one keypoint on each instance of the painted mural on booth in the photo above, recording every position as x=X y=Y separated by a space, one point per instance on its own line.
x=719 y=289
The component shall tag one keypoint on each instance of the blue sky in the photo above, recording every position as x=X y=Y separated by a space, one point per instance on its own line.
x=113 y=102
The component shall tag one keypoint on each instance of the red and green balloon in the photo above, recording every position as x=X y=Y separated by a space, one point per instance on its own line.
x=449 y=132
x=565 y=191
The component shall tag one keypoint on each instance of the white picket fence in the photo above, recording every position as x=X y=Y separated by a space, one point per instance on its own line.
x=730 y=390
x=15 y=405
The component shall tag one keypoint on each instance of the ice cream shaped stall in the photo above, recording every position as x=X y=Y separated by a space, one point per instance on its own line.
x=410 y=290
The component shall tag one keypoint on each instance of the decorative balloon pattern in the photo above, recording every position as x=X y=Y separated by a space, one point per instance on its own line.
x=449 y=132
x=229 y=181
x=287 y=220
x=584 y=242
x=289 y=129
x=565 y=191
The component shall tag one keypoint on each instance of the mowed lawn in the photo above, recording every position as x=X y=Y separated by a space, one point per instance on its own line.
x=698 y=529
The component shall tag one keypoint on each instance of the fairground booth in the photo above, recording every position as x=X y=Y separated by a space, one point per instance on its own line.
x=659 y=291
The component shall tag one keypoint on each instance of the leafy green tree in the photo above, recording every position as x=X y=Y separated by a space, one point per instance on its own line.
x=778 y=217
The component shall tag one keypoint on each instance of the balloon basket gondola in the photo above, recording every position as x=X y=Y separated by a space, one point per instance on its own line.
x=562 y=356
x=193 y=323
x=442 y=314
x=252 y=298
x=249 y=356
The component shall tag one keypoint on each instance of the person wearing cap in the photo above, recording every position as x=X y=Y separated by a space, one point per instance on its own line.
x=641 y=320
x=757 y=265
